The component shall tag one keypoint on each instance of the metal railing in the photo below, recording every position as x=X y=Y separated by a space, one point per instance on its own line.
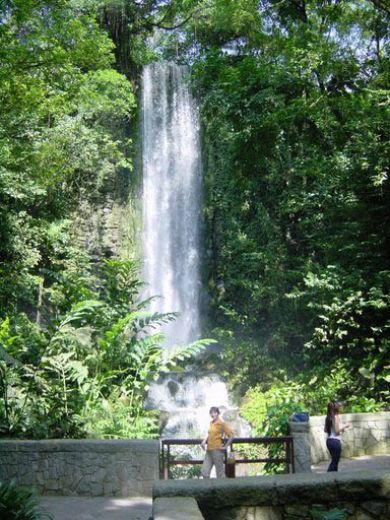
x=168 y=459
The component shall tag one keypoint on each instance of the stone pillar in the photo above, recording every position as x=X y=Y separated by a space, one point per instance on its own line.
x=300 y=432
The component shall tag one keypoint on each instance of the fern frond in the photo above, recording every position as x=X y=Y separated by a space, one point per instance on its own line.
x=178 y=353
x=81 y=311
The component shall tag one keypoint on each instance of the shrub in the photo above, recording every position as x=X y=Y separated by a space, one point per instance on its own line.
x=19 y=503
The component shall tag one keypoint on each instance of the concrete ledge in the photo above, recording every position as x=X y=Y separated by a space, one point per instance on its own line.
x=176 y=508
x=81 y=445
x=355 y=417
x=280 y=490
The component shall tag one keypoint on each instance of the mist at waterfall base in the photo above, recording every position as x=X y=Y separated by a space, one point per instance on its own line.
x=172 y=187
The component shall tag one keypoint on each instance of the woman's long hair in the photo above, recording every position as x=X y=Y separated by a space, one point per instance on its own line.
x=333 y=408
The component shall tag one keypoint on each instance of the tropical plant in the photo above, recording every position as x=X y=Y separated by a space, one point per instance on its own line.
x=95 y=367
x=19 y=503
x=332 y=514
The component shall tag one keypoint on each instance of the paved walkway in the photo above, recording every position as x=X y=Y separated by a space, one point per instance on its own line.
x=106 y=508
x=363 y=463
x=98 y=508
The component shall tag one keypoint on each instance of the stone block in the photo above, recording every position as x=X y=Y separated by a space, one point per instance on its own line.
x=362 y=515
x=349 y=507
x=108 y=489
x=305 y=491
x=94 y=489
x=39 y=479
x=52 y=485
x=375 y=508
x=378 y=434
x=176 y=508
x=268 y=513
x=297 y=511
x=299 y=427
x=359 y=452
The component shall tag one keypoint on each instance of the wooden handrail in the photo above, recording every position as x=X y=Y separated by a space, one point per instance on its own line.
x=287 y=441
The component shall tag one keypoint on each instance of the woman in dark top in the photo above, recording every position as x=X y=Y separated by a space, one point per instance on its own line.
x=334 y=430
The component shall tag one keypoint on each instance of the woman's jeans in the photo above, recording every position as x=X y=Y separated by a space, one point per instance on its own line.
x=334 y=447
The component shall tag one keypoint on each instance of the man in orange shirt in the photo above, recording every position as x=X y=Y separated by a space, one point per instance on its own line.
x=215 y=450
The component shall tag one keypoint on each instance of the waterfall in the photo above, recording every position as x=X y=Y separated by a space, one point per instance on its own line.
x=172 y=183
x=171 y=198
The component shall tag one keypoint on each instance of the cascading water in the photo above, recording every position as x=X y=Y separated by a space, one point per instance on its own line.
x=172 y=184
x=171 y=198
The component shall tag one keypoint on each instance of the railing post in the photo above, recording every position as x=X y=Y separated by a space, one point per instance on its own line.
x=166 y=472
x=287 y=455
x=230 y=467
x=292 y=456
x=162 y=464
x=165 y=460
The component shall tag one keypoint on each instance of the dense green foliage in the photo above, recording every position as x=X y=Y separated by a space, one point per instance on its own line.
x=296 y=133
x=294 y=106
x=76 y=348
x=87 y=373
x=18 y=503
x=62 y=134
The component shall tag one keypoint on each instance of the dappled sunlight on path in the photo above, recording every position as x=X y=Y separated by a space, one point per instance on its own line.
x=97 y=508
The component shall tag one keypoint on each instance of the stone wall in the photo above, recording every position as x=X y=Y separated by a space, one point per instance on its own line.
x=363 y=496
x=82 y=467
x=369 y=435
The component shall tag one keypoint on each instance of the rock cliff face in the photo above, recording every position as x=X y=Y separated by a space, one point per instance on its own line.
x=107 y=221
